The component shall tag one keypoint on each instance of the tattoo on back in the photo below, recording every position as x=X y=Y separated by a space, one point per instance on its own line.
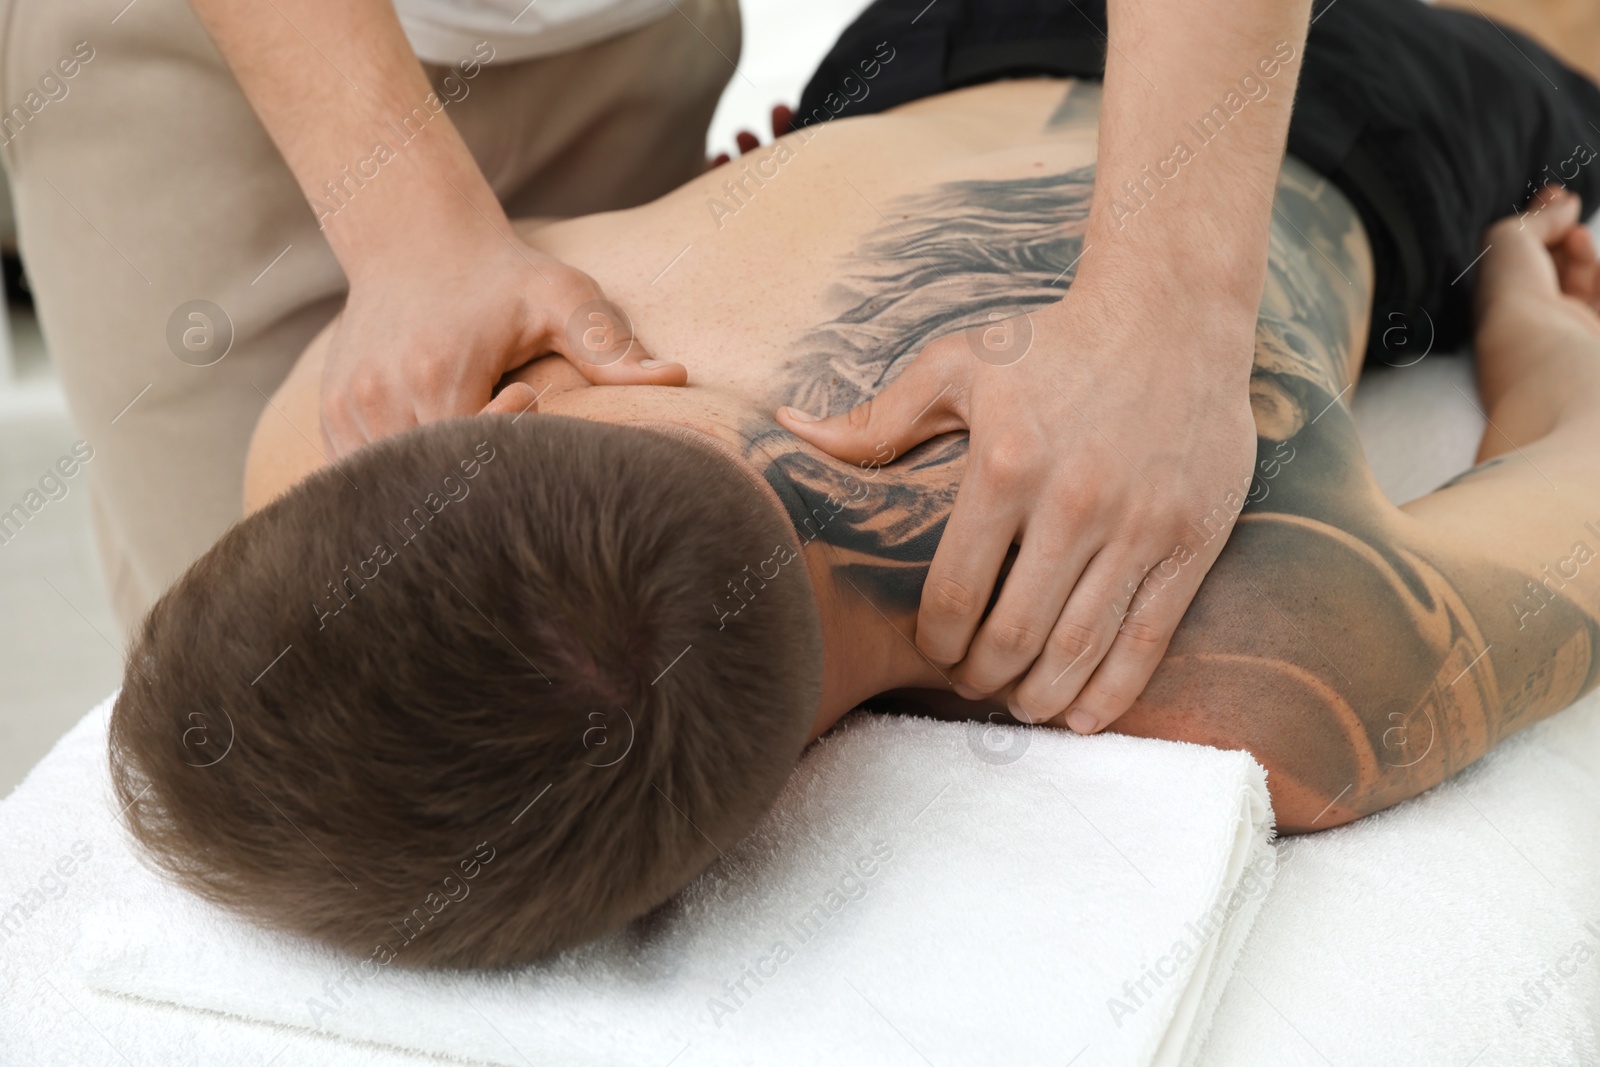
x=965 y=254
x=1402 y=648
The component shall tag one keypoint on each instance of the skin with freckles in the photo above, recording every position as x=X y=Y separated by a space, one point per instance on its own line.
x=1362 y=652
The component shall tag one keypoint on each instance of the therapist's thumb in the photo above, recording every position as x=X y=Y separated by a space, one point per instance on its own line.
x=922 y=403
x=596 y=335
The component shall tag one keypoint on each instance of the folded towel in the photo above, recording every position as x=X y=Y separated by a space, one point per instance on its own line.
x=968 y=893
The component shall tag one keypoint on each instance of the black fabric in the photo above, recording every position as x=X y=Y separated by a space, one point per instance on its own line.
x=1433 y=122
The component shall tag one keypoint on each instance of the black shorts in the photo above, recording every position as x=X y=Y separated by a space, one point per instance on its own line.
x=1433 y=122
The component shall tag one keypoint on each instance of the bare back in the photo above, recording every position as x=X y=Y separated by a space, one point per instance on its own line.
x=1334 y=635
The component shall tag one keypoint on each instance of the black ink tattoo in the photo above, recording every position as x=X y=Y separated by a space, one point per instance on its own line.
x=967 y=251
x=1390 y=662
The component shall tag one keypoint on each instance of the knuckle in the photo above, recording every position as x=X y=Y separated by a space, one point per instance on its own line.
x=949 y=598
x=1071 y=641
x=364 y=392
x=860 y=417
x=972 y=685
x=1016 y=639
x=1007 y=462
x=1142 y=635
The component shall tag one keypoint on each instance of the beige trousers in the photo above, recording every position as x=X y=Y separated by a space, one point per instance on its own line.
x=143 y=181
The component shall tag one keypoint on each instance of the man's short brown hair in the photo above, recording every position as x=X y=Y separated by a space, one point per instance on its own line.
x=476 y=696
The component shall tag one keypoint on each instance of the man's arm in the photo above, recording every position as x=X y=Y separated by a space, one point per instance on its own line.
x=1128 y=419
x=444 y=295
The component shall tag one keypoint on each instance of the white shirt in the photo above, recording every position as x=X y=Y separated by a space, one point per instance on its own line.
x=447 y=31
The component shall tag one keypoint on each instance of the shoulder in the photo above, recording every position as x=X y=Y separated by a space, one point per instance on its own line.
x=287 y=443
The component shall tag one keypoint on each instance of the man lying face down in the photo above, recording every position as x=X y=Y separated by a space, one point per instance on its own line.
x=496 y=687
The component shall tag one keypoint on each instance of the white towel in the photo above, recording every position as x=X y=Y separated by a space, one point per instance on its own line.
x=1022 y=905
x=1462 y=927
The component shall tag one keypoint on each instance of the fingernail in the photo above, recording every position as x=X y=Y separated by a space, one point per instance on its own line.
x=652 y=364
x=802 y=416
x=1082 y=722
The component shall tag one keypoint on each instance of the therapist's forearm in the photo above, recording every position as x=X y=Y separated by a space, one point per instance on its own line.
x=330 y=79
x=1201 y=182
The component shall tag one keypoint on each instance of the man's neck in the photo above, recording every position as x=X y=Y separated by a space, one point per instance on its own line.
x=866 y=650
x=867 y=534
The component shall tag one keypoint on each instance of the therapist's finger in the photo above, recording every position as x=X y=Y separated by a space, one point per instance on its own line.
x=440 y=388
x=1137 y=647
x=1080 y=637
x=362 y=407
x=983 y=524
x=594 y=333
x=1066 y=522
x=927 y=399
x=340 y=433
x=516 y=400
x=1013 y=636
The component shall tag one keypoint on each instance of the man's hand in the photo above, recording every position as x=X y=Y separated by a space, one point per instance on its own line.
x=419 y=342
x=1542 y=265
x=1113 y=452
x=1117 y=451
x=445 y=297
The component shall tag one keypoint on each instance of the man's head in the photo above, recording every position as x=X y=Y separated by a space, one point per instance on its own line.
x=471 y=696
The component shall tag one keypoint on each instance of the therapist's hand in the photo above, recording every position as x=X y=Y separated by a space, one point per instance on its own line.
x=1104 y=452
x=428 y=333
x=445 y=296
x=1117 y=452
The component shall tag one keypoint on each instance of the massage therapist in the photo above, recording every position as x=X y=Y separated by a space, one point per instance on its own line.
x=201 y=198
